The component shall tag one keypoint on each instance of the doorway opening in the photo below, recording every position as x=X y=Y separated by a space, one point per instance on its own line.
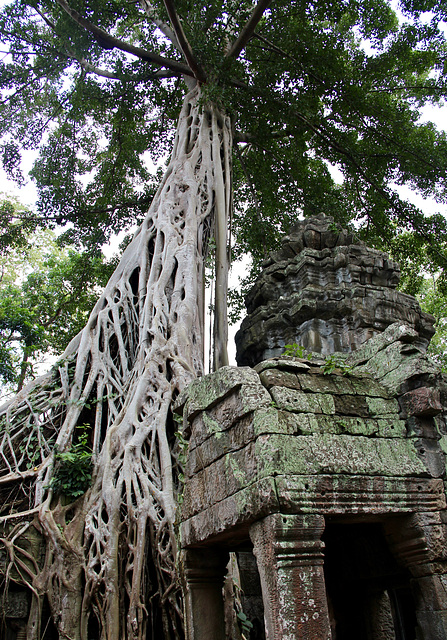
x=369 y=593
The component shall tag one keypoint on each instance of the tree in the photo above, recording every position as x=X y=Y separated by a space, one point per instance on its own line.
x=265 y=97
x=432 y=296
x=46 y=295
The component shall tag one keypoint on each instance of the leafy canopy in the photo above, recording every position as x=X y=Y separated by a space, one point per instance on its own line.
x=96 y=86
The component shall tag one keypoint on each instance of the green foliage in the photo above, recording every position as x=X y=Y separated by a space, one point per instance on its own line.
x=73 y=468
x=295 y=350
x=307 y=92
x=244 y=624
x=432 y=296
x=46 y=294
x=333 y=363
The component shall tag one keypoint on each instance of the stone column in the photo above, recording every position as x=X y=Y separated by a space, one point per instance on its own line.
x=289 y=553
x=204 y=571
x=419 y=543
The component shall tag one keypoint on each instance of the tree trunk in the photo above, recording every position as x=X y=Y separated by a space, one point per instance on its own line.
x=111 y=553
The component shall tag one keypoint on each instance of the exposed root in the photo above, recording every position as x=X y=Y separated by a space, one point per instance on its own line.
x=109 y=561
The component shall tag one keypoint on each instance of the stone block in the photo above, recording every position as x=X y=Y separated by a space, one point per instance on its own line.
x=325 y=384
x=432 y=625
x=273 y=454
x=382 y=406
x=285 y=363
x=429 y=453
x=432 y=590
x=424 y=427
x=367 y=386
x=225 y=476
x=423 y=401
x=398 y=380
x=347 y=405
x=204 y=392
x=224 y=442
x=276 y=377
x=300 y=402
x=396 y=332
x=342 y=494
x=331 y=454
x=391 y=427
x=224 y=414
x=229 y=518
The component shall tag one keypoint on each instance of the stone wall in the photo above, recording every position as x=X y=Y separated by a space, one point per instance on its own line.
x=278 y=451
x=274 y=437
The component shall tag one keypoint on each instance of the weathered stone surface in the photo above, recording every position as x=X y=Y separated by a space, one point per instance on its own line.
x=285 y=363
x=396 y=332
x=326 y=384
x=206 y=391
x=424 y=427
x=428 y=451
x=347 y=494
x=273 y=454
x=300 y=402
x=391 y=428
x=220 y=417
x=275 y=377
x=228 y=519
x=351 y=406
x=294 y=591
x=325 y=296
x=382 y=406
x=421 y=402
x=273 y=421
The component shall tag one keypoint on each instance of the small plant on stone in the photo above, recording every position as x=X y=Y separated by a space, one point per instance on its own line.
x=73 y=468
x=181 y=458
x=335 y=362
x=245 y=625
x=295 y=351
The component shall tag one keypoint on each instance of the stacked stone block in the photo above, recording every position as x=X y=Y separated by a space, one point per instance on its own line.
x=277 y=450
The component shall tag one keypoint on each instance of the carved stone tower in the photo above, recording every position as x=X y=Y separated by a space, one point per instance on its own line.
x=326 y=291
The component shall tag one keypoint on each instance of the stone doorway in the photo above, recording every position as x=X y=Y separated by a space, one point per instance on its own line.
x=369 y=593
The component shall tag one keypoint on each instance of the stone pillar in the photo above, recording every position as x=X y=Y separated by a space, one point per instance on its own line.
x=204 y=571
x=378 y=617
x=289 y=553
x=419 y=543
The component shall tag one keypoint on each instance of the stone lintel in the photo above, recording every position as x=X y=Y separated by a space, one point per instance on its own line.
x=346 y=496
x=271 y=455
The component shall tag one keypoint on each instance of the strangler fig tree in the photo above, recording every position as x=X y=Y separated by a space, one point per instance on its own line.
x=255 y=103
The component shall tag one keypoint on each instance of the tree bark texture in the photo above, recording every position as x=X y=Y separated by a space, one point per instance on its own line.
x=110 y=555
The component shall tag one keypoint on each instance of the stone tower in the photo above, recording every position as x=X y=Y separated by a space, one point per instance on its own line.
x=327 y=291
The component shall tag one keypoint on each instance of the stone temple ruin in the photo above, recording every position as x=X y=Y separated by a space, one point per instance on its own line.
x=325 y=475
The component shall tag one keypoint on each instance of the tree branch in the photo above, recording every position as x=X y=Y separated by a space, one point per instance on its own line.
x=164 y=28
x=107 y=41
x=248 y=30
x=195 y=67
